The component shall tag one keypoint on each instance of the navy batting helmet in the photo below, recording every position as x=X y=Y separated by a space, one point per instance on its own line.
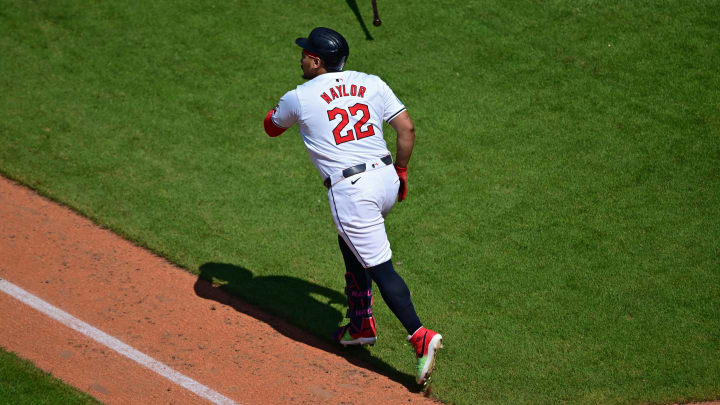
x=332 y=48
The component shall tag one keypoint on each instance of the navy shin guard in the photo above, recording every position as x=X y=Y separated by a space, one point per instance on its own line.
x=359 y=299
x=358 y=285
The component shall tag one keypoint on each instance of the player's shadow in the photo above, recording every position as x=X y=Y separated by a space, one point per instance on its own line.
x=309 y=304
x=354 y=7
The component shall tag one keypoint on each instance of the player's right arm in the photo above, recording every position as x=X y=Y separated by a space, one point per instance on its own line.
x=284 y=115
x=403 y=125
x=397 y=116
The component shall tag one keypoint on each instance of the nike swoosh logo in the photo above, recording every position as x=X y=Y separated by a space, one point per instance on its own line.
x=355 y=181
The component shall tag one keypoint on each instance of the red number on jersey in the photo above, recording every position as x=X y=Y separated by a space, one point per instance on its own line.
x=351 y=135
x=339 y=138
x=363 y=120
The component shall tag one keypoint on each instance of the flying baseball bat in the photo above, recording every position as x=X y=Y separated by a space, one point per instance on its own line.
x=376 y=21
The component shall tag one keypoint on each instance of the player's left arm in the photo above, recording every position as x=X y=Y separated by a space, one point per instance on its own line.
x=283 y=115
x=271 y=128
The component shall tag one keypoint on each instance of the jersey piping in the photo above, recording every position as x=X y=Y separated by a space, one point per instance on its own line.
x=395 y=115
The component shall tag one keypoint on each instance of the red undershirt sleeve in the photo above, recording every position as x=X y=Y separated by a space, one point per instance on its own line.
x=270 y=128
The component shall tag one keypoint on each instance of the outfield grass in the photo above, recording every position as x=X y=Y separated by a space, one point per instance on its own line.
x=562 y=224
x=22 y=383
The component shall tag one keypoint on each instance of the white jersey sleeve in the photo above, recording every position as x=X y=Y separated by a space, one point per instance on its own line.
x=287 y=111
x=393 y=105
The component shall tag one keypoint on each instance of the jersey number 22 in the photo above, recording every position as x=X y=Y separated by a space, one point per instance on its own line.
x=358 y=132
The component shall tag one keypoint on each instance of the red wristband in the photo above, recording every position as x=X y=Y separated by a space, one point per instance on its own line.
x=402 y=175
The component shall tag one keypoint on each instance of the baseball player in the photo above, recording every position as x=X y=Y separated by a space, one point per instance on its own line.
x=340 y=116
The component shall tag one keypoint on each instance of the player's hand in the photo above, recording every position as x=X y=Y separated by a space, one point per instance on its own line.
x=402 y=174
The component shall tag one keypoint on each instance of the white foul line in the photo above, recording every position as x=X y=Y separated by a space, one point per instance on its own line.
x=113 y=343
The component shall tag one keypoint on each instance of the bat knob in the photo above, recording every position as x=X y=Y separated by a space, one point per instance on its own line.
x=377 y=22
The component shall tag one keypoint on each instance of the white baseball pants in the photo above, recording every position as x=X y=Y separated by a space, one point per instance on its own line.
x=359 y=205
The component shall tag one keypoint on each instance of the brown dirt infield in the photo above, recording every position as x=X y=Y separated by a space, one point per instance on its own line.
x=155 y=307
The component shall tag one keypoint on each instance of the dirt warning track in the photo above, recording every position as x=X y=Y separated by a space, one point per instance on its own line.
x=126 y=326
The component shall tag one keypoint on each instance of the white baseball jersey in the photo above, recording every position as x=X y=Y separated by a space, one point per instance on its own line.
x=340 y=116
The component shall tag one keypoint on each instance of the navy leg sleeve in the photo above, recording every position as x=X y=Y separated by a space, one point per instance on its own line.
x=353 y=266
x=396 y=295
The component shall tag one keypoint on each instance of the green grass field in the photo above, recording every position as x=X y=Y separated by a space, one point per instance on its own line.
x=562 y=227
x=22 y=383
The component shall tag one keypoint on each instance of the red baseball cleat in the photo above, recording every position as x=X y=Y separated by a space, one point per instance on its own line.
x=353 y=334
x=426 y=343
